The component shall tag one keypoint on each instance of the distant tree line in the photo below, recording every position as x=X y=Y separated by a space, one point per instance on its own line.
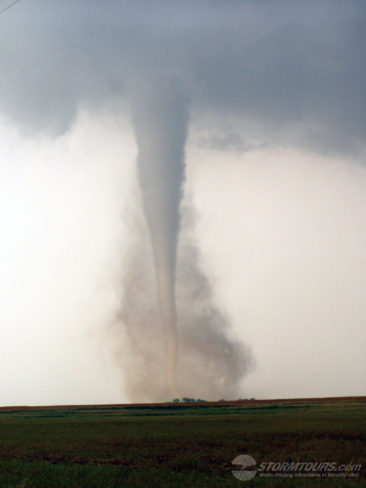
x=199 y=400
x=188 y=400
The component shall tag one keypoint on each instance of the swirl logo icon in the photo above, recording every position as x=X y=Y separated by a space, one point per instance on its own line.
x=244 y=461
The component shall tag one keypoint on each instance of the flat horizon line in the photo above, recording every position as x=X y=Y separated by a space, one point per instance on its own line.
x=181 y=403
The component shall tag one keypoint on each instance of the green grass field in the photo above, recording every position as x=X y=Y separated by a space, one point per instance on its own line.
x=177 y=446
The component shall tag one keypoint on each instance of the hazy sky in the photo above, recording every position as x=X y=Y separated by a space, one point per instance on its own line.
x=275 y=169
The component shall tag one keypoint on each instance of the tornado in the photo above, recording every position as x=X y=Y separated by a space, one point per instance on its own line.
x=160 y=120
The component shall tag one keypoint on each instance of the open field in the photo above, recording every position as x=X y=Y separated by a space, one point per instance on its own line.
x=178 y=445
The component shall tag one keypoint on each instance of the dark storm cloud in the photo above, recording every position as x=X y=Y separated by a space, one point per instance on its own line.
x=291 y=72
x=226 y=142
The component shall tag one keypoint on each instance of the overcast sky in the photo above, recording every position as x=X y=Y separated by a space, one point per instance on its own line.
x=275 y=169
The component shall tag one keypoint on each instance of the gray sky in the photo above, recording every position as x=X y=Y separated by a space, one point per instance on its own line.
x=275 y=168
x=280 y=67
